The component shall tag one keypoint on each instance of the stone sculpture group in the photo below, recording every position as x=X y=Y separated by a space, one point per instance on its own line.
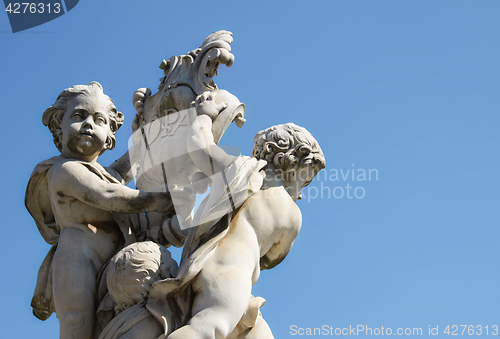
x=109 y=274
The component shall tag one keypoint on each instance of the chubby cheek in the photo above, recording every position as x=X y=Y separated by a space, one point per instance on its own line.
x=71 y=144
x=72 y=128
x=69 y=133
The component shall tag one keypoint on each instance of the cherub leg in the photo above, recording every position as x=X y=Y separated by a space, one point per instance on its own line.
x=261 y=330
x=74 y=280
x=222 y=299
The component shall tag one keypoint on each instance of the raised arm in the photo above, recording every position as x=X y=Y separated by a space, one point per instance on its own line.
x=204 y=152
x=124 y=166
x=75 y=180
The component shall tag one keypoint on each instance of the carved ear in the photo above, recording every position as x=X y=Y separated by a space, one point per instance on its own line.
x=54 y=126
x=110 y=143
x=47 y=115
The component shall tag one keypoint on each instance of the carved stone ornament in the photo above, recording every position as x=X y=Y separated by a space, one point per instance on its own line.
x=109 y=273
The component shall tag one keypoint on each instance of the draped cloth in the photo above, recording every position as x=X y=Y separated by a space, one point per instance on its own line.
x=125 y=321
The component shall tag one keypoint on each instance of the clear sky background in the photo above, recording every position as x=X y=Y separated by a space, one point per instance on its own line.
x=409 y=88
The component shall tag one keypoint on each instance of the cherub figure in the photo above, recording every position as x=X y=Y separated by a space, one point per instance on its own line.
x=130 y=275
x=74 y=201
x=222 y=267
x=133 y=273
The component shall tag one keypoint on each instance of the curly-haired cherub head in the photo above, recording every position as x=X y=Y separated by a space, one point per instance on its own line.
x=53 y=116
x=285 y=145
x=293 y=151
x=134 y=269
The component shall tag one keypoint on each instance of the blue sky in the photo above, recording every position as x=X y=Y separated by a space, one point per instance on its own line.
x=409 y=88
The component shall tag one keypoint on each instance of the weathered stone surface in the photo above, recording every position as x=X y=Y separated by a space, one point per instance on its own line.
x=109 y=274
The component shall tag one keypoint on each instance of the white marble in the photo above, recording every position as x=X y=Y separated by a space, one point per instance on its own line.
x=109 y=274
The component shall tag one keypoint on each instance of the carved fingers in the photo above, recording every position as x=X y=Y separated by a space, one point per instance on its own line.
x=138 y=100
x=205 y=104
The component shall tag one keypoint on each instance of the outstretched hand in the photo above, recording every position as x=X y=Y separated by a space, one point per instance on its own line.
x=205 y=104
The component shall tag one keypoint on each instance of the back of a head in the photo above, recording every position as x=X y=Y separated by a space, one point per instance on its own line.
x=134 y=269
x=284 y=145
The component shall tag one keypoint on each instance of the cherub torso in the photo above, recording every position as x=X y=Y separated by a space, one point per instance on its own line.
x=270 y=213
x=96 y=227
x=264 y=222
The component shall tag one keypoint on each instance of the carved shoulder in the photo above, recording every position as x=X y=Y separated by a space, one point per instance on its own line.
x=66 y=172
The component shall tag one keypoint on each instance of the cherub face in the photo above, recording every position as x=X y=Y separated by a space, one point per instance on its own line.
x=85 y=126
x=301 y=176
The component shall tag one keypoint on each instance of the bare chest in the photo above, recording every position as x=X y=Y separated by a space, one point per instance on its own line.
x=70 y=212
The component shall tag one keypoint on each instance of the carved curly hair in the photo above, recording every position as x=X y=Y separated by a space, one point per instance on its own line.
x=285 y=145
x=133 y=270
x=52 y=117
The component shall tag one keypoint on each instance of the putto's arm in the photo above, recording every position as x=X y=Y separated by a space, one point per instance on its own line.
x=75 y=180
x=124 y=167
x=206 y=155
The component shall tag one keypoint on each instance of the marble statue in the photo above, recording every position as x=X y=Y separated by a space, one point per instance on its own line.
x=221 y=261
x=210 y=295
x=130 y=276
x=190 y=112
x=109 y=274
x=73 y=200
